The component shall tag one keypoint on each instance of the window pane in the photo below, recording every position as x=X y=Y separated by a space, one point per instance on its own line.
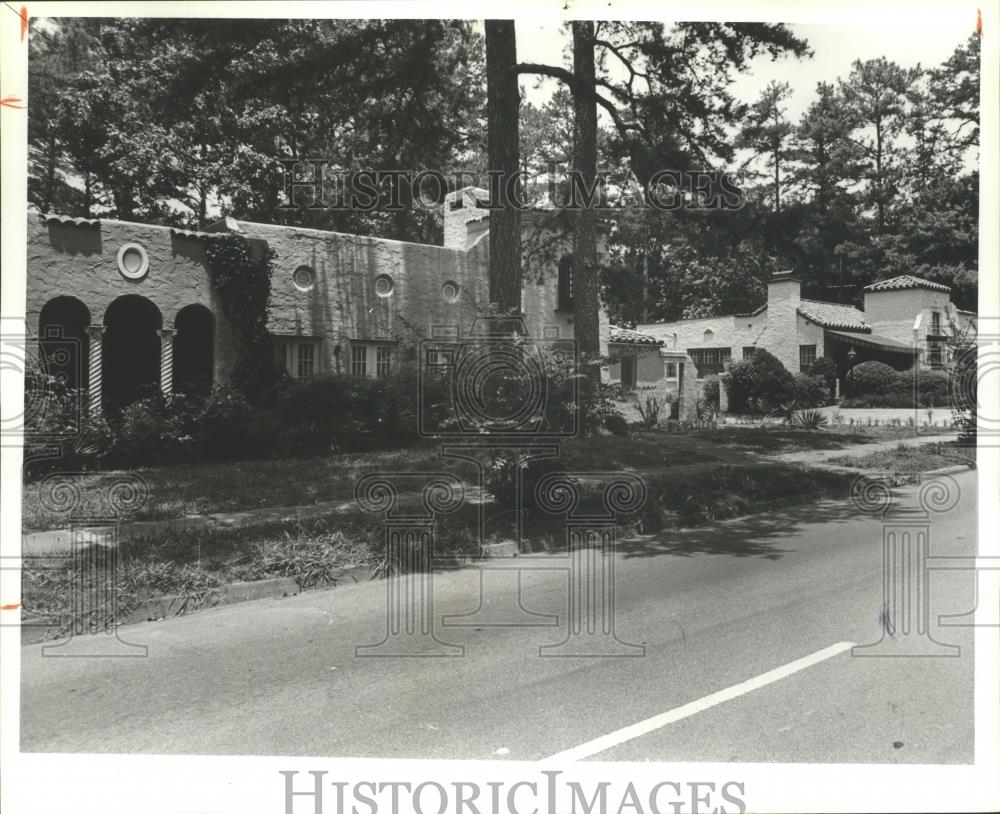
x=749 y=351
x=807 y=355
x=383 y=361
x=671 y=370
x=306 y=365
x=359 y=359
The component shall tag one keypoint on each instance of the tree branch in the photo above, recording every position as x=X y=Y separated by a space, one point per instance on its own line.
x=623 y=127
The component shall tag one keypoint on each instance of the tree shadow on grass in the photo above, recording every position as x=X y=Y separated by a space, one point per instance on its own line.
x=758 y=535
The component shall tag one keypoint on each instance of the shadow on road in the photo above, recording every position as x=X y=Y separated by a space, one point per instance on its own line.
x=758 y=535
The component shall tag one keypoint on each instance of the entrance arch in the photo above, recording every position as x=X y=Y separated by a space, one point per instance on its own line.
x=194 y=349
x=131 y=352
x=62 y=333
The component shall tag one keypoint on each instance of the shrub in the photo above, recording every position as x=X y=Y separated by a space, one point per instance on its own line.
x=811 y=420
x=758 y=384
x=934 y=390
x=650 y=407
x=616 y=424
x=827 y=368
x=710 y=393
x=223 y=425
x=809 y=391
x=159 y=429
x=870 y=377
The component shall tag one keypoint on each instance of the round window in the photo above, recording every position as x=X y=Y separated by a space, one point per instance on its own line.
x=133 y=263
x=383 y=285
x=450 y=291
x=304 y=278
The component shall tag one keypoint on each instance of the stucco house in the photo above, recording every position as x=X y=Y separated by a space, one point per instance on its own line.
x=904 y=319
x=136 y=307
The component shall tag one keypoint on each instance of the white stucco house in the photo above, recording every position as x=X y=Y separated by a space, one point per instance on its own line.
x=904 y=319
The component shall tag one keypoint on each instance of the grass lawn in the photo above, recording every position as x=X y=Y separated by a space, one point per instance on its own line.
x=193 y=565
x=779 y=438
x=183 y=490
x=912 y=459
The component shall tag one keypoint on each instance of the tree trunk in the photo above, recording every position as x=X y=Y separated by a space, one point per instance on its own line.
x=502 y=103
x=586 y=291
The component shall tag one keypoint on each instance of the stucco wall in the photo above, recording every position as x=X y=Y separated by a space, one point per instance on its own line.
x=649 y=367
x=64 y=259
x=892 y=313
x=430 y=285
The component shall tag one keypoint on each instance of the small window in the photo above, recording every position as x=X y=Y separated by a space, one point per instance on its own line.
x=807 y=355
x=749 y=351
x=936 y=323
x=359 y=360
x=671 y=368
x=383 y=361
x=305 y=364
x=298 y=357
x=709 y=361
x=564 y=295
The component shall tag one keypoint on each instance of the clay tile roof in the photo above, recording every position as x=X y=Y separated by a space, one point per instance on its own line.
x=631 y=337
x=195 y=233
x=831 y=315
x=905 y=281
x=50 y=216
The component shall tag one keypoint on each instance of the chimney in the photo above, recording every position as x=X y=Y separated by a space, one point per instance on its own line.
x=461 y=208
x=784 y=287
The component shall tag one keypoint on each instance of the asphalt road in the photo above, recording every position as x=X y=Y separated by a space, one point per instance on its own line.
x=715 y=608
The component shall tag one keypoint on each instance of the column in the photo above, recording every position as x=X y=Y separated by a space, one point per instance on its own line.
x=167 y=360
x=95 y=352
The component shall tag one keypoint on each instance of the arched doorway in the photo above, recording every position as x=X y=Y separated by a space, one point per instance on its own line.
x=131 y=356
x=62 y=334
x=194 y=348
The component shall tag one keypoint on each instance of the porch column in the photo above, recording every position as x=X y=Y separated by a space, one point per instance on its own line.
x=166 y=360
x=95 y=352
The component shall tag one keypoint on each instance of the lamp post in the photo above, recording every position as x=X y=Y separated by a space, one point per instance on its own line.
x=851 y=356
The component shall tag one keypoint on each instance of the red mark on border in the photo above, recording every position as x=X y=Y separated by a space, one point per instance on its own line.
x=24 y=22
x=15 y=606
x=11 y=101
x=979 y=22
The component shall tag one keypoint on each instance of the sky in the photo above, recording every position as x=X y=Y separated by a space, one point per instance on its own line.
x=916 y=39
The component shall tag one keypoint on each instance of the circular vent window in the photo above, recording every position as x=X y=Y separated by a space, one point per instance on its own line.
x=383 y=285
x=133 y=263
x=304 y=278
x=450 y=291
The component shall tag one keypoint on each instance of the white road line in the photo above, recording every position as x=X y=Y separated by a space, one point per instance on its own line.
x=694 y=707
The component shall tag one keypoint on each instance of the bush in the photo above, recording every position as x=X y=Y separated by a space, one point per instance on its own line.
x=809 y=391
x=159 y=429
x=223 y=426
x=870 y=378
x=934 y=390
x=827 y=368
x=756 y=385
x=710 y=393
x=616 y=424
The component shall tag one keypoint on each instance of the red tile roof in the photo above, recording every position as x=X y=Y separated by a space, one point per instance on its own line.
x=631 y=337
x=831 y=315
x=905 y=281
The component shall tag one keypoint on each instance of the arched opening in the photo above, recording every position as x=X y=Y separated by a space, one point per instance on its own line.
x=62 y=335
x=131 y=356
x=194 y=347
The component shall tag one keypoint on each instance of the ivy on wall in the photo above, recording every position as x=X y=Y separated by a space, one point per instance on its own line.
x=241 y=273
